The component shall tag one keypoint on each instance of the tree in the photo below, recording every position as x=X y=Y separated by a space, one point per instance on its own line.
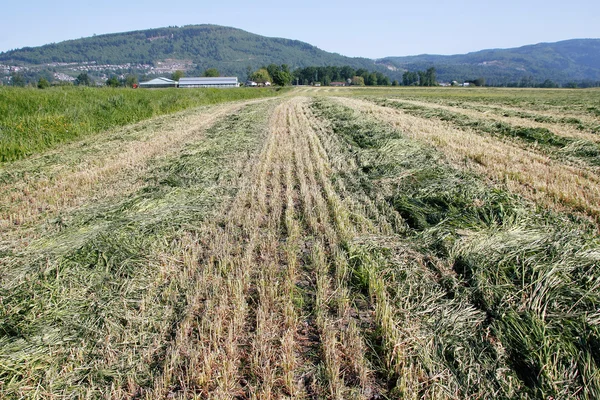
x=131 y=80
x=272 y=69
x=83 y=80
x=17 y=79
x=430 y=79
x=395 y=83
x=211 y=73
x=282 y=78
x=479 y=81
x=358 y=81
x=261 y=76
x=347 y=72
x=113 y=81
x=371 y=79
x=43 y=83
x=177 y=75
x=410 y=78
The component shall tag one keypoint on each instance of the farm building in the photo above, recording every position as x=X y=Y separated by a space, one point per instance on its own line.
x=337 y=84
x=220 y=82
x=159 y=83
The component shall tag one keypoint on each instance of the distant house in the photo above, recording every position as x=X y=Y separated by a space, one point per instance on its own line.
x=219 y=82
x=158 y=83
x=337 y=84
x=251 y=83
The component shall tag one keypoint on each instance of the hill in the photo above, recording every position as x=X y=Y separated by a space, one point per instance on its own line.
x=569 y=60
x=197 y=47
x=232 y=51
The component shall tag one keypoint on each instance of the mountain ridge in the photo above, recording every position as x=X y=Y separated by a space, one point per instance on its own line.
x=234 y=51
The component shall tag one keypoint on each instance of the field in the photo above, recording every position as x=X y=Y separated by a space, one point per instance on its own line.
x=325 y=243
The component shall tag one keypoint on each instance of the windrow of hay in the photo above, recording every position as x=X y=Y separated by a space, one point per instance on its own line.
x=480 y=294
x=109 y=165
x=90 y=310
x=579 y=152
x=567 y=127
x=529 y=173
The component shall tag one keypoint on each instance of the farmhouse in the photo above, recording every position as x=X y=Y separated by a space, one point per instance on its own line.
x=220 y=82
x=159 y=83
x=337 y=84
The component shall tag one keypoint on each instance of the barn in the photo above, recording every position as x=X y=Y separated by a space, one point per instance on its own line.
x=158 y=83
x=220 y=82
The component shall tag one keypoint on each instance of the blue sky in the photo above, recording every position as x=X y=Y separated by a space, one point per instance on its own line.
x=369 y=29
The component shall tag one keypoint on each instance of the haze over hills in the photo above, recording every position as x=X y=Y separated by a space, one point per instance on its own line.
x=569 y=60
x=233 y=52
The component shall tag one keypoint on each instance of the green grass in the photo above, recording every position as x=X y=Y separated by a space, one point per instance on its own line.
x=506 y=293
x=33 y=120
x=97 y=283
x=559 y=146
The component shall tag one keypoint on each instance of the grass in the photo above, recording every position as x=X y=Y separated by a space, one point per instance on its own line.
x=524 y=170
x=296 y=248
x=32 y=120
x=510 y=277
x=541 y=137
x=89 y=306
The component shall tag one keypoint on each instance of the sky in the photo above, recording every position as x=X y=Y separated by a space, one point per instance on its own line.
x=358 y=29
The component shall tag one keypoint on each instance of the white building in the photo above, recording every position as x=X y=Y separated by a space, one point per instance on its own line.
x=220 y=82
x=159 y=83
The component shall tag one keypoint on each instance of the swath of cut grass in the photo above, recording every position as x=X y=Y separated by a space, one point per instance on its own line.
x=508 y=278
x=87 y=311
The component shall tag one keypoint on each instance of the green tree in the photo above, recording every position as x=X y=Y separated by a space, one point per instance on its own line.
x=177 y=75
x=211 y=73
x=261 y=76
x=113 y=81
x=17 y=79
x=395 y=83
x=131 y=80
x=83 y=79
x=371 y=79
x=410 y=78
x=282 y=78
x=358 y=81
x=272 y=69
x=43 y=83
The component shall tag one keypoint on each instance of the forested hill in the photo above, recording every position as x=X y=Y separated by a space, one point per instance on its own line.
x=569 y=60
x=195 y=48
x=229 y=50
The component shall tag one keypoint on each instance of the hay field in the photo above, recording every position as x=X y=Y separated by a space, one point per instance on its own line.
x=328 y=243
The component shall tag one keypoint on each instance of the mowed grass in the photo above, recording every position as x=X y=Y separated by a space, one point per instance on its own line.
x=33 y=120
x=301 y=247
x=89 y=308
x=495 y=297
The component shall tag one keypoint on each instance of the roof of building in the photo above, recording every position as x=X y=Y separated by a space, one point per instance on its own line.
x=221 y=80
x=159 y=81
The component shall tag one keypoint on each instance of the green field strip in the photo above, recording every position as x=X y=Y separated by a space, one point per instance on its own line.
x=32 y=120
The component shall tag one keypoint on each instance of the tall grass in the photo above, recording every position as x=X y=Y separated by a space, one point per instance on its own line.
x=33 y=120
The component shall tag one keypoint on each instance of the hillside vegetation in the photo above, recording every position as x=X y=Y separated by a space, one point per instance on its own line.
x=561 y=62
x=329 y=243
x=229 y=50
x=232 y=51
